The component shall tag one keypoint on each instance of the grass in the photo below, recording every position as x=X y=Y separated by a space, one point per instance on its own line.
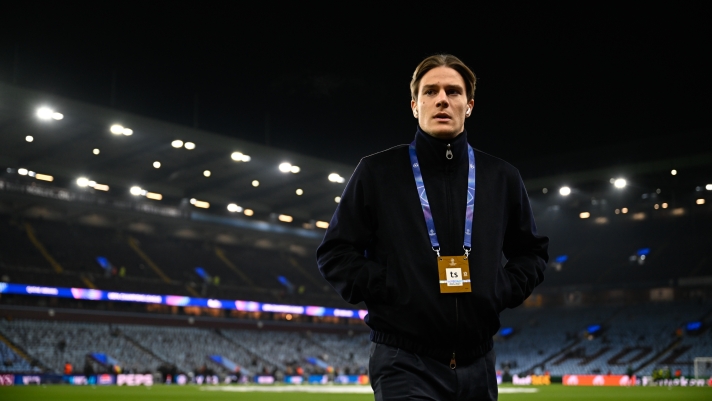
x=160 y=392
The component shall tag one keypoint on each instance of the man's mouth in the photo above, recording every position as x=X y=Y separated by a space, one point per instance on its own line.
x=442 y=116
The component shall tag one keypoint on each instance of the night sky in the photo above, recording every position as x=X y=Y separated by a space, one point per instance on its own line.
x=623 y=84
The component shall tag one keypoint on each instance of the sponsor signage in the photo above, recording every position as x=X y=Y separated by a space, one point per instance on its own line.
x=676 y=382
x=7 y=380
x=134 y=380
x=293 y=379
x=350 y=379
x=532 y=380
x=599 y=380
x=175 y=300
x=264 y=380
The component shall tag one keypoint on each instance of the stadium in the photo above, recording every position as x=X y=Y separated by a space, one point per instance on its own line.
x=145 y=258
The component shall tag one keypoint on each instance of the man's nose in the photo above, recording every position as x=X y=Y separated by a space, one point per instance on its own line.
x=442 y=100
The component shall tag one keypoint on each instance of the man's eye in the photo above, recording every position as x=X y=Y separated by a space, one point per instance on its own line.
x=453 y=92
x=429 y=92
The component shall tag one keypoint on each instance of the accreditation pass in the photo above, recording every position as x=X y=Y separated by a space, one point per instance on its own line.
x=454 y=274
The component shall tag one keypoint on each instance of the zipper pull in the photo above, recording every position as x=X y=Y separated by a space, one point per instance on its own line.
x=453 y=365
x=448 y=153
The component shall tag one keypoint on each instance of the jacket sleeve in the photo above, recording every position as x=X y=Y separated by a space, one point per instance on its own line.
x=525 y=250
x=341 y=255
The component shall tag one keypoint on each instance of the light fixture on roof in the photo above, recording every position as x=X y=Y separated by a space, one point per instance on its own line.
x=189 y=145
x=619 y=183
x=234 y=208
x=22 y=171
x=240 y=157
x=177 y=143
x=656 y=206
x=154 y=196
x=584 y=215
x=101 y=187
x=665 y=205
x=207 y=173
x=96 y=151
x=201 y=204
x=673 y=172
x=700 y=201
x=285 y=167
x=118 y=129
x=295 y=169
x=708 y=187
x=45 y=113
x=544 y=190
x=565 y=191
x=337 y=199
x=322 y=224
x=333 y=177
x=135 y=190
x=624 y=210
x=83 y=182
x=285 y=218
x=300 y=192
x=255 y=183
x=29 y=138
x=44 y=177
x=249 y=212
x=156 y=164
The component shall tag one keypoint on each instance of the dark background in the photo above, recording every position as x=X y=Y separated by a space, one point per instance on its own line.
x=561 y=87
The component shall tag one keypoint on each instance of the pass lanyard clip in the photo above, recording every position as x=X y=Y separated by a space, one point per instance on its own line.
x=469 y=210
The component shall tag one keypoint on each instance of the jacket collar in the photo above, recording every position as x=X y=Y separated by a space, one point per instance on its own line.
x=433 y=150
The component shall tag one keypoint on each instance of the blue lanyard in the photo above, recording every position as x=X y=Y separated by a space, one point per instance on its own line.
x=469 y=211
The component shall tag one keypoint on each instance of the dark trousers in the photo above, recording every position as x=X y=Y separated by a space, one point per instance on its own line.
x=401 y=375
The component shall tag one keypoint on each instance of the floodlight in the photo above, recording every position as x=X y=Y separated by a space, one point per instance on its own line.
x=207 y=173
x=192 y=201
x=177 y=143
x=156 y=164
x=91 y=184
x=31 y=173
x=246 y=158
x=545 y=190
x=295 y=169
x=656 y=207
x=57 y=116
x=333 y=177
x=285 y=167
x=673 y=172
x=154 y=196
x=29 y=138
x=249 y=212
x=96 y=151
x=135 y=191
x=189 y=145
x=255 y=183
x=101 y=187
x=584 y=215
x=44 y=113
x=624 y=210
x=665 y=205
x=700 y=201
x=300 y=192
x=83 y=182
x=620 y=183
x=116 y=129
x=285 y=218
x=127 y=131
x=322 y=224
x=237 y=156
x=22 y=171
x=234 y=208
x=708 y=187
x=44 y=177
x=565 y=191
x=337 y=199
x=201 y=204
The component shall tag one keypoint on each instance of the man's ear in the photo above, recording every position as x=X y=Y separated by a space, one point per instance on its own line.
x=414 y=107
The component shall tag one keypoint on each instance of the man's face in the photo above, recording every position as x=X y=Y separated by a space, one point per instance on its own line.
x=442 y=105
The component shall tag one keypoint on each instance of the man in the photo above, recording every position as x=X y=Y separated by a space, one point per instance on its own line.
x=419 y=236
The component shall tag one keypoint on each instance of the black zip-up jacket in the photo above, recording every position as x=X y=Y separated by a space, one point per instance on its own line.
x=377 y=248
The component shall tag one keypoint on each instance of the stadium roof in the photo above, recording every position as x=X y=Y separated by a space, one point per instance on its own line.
x=64 y=149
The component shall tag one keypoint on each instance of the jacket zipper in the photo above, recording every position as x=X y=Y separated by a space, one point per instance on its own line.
x=448 y=155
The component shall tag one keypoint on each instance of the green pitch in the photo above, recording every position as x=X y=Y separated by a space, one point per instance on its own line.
x=160 y=392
